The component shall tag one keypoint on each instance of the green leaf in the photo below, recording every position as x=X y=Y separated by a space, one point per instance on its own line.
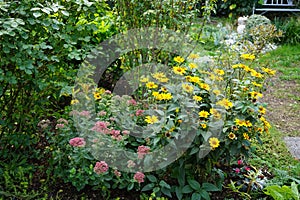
x=196 y=196
x=130 y=186
x=152 y=178
x=65 y=13
x=205 y=195
x=163 y=184
x=148 y=187
x=233 y=6
x=209 y=187
x=178 y=192
x=166 y=192
x=194 y=184
x=37 y=14
x=187 y=189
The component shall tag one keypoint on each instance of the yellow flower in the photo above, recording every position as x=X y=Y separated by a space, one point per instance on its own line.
x=248 y=56
x=179 y=59
x=239 y=122
x=179 y=70
x=193 y=56
x=144 y=80
x=163 y=89
x=215 y=113
x=217 y=92
x=205 y=86
x=247 y=123
x=151 y=85
x=225 y=103
x=261 y=110
x=232 y=136
x=164 y=96
x=203 y=114
x=203 y=126
x=188 y=88
x=269 y=71
x=97 y=95
x=214 y=143
x=193 y=65
x=256 y=74
x=219 y=71
x=74 y=101
x=246 y=136
x=255 y=94
x=161 y=77
x=256 y=84
x=155 y=94
x=238 y=66
x=151 y=119
x=197 y=98
x=193 y=79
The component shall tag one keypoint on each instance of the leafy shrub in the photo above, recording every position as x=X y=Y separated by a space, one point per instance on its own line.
x=256 y=20
x=290 y=28
x=234 y=9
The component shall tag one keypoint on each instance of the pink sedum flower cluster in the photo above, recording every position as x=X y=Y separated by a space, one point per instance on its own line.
x=101 y=167
x=77 y=142
x=139 y=177
x=142 y=151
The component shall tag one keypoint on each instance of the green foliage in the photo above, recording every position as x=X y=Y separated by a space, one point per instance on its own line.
x=284 y=192
x=235 y=8
x=256 y=20
x=290 y=28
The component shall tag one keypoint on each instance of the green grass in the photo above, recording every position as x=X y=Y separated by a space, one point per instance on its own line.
x=285 y=59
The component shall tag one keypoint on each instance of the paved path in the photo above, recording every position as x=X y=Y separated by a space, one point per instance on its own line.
x=293 y=144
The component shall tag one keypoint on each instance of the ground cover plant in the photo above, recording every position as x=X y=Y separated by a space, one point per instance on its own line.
x=51 y=149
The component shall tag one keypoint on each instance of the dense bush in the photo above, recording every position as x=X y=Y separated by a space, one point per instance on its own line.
x=290 y=28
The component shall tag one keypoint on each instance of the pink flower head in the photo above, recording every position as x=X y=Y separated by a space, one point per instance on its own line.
x=115 y=133
x=139 y=112
x=59 y=126
x=247 y=168
x=125 y=132
x=132 y=102
x=102 y=113
x=240 y=162
x=130 y=164
x=100 y=167
x=62 y=121
x=237 y=170
x=117 y=173
x=107 y=92
x=85 y=113
x=142 y=150
x=100 y=126
x=139 y=177
x=77 y=142
x=112 y=119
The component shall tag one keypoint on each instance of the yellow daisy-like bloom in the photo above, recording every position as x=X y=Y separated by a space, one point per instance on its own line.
x=155 y=94
x=246 y=136
x=151 y=85
x=215 y=113
x=97 y=95
x=203 y=114
x=151 y=119
x=238 y=66
x=179 y=59
x=163 y=89
x=217 y=92
x=160 y=76
x=203 y=126
x=144 y=80
x=256 y=84
x=193 y=79
x=261 y=130
x=193 y=56
x=247 y=123
x=179 y=70
x=261 y=110
x=256 y=74
x=248 y=56
x=193 y=65
x=225 y=103
x=247 y=68
x=219 y=72
x=239 y=122
x=205 y=86
x=188 y=88
x=74 y=101
x=232 y=136
x=255 y=94
x=269 y=71
x=214 y=143
x=197 y=98
x=163 y=96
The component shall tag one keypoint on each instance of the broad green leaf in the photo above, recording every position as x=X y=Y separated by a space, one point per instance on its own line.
x=194 y=184
x=209 y=187
x=196 y=196
x=148 y=187
x=163 y=184
x=152 y=178
x=187 y=189
x=37 y=14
